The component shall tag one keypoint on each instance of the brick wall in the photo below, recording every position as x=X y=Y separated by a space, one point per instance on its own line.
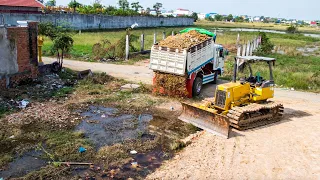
x=25 y=41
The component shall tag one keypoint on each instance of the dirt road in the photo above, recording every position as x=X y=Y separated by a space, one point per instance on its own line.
x=135 y=73
x=289 y=149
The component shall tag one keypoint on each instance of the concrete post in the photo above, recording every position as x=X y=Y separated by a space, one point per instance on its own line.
x=127 y=47
x=142 y=43
x=248 y=49
x=163 y=35
x=155 y=38
x=244 y=47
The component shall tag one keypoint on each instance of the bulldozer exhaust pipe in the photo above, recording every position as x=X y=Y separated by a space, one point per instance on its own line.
x=209 y=121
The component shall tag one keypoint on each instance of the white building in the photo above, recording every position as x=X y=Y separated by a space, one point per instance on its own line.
x=182 y=12
x=201 y=16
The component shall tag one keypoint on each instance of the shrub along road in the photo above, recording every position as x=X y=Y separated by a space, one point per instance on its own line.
x=283 y=150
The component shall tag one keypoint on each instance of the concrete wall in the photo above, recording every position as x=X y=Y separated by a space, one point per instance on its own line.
x=85 y=22
x=8 y=54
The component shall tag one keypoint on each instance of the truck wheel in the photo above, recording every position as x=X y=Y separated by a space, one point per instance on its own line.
x=197 y=86
x=215 y=79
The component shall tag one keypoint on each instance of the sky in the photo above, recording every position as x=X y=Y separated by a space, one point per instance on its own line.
x=289 y=9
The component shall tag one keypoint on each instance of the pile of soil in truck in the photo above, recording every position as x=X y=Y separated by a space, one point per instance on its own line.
x=183 y=41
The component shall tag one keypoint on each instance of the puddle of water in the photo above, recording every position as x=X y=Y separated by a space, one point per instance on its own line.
x=143 y=164
x=104 y=127
x=21 y=166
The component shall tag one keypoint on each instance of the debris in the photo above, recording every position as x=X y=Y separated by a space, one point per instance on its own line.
x=23 y=104
x=133 y=152
x=74 y=163
x=134 y=164
x=172 y=108
x=82 y=150
x=84 y=74
x=103 y=115
x=130 y=87
x=93 y=121
x=11 y=137
x=170 y=84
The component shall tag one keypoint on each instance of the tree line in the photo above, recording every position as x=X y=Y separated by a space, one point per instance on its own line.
x=124 y=8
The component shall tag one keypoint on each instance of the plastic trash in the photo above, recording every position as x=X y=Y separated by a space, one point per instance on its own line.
x=82 y=150
x=133 y=152
x=103 y=115
x=23 y=104
x=134 y=164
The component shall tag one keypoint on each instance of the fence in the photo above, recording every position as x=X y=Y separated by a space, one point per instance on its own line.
x=249 y=48
x=142 y=43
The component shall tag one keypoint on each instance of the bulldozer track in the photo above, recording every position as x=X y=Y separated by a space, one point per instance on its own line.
x=255 y=115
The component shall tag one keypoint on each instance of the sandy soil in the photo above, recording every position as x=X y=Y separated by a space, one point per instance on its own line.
x=289 y=149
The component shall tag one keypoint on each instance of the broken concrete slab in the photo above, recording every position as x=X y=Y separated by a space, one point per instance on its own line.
x=129 y=87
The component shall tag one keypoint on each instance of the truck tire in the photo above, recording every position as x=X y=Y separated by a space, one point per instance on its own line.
x=197 y=86
x=215 y=79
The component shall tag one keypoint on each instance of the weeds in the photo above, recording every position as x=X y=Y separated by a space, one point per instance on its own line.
x=63 y=92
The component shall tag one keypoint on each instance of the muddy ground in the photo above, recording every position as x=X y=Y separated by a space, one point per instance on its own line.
x=116 y=133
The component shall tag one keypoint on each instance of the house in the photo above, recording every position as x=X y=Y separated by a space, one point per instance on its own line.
x=212 y=15
x=182 y=12
x=201 y=16
x=313 y=23
x=20 y=6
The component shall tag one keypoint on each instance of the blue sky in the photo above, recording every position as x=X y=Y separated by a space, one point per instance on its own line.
x=306 y=9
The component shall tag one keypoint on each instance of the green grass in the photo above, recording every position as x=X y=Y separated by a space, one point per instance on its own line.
x=82 y=48
x=298 y=72
x=255 y=25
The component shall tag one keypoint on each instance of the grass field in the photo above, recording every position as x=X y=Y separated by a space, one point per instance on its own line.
x=292 y=70
x=255 y=25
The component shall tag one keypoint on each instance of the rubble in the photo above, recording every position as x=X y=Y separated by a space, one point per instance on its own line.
x=51 y=114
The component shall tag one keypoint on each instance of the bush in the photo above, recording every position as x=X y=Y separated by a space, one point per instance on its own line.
x=292 y=29
x=266 y=46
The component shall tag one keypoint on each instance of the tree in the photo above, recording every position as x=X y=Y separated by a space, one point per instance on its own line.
x=218 y=17
x=148 y=10
x=157 y=7
x=194 y=16
x=266 y=46
x=62 y=44
x=74 y=4
x=97 y=4
x=136 y=6
x=238 y=19
x=123 y=4
x=51 y=3
x=229 y=17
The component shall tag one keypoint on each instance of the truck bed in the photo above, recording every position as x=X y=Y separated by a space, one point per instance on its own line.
x=181 y=62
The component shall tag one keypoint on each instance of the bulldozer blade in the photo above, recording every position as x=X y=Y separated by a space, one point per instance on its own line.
x=209 y=121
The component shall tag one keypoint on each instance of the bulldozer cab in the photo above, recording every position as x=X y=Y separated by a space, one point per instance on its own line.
x=261 y=88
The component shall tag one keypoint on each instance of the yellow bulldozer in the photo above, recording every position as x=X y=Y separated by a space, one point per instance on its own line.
x=240 y=104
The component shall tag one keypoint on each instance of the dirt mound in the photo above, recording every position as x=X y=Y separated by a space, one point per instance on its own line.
x=183 y=41
x=169 y=84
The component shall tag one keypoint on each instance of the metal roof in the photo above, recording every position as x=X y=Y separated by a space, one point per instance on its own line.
x=21 y=3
